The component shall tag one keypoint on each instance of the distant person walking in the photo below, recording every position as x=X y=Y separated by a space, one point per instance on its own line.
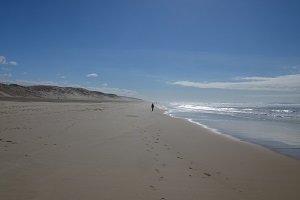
x=152 y=106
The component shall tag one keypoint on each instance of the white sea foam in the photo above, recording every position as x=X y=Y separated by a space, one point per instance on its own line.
x=161 y=107
x=213 y=130
x=250 y=111
x=282 y=111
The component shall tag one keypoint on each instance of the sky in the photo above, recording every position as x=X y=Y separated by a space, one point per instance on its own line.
x=158 y=50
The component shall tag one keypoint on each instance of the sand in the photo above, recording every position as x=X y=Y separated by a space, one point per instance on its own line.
x=125 y=151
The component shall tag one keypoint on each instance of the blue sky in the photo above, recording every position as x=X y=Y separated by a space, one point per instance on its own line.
x=166 y=50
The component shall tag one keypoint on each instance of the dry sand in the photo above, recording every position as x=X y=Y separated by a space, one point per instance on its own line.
x=124 y=151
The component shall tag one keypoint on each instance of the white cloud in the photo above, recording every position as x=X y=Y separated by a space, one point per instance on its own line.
x=279 y=83
x=12 y=62
x=92 y=75
x=4 y=61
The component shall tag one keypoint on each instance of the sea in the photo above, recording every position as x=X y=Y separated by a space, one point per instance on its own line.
x=275 y=126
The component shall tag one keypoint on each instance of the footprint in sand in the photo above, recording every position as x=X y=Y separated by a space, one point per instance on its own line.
x=207 y=174
x=152 y=187
x=179 y=155
x=190 y=168
x=157 y=171
x=166 y=146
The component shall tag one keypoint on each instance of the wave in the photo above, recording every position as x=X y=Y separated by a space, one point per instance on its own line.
x=265 y=112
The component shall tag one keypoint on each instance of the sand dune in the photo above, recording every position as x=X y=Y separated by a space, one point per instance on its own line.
x=55 y=93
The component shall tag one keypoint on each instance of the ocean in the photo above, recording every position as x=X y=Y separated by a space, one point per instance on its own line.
x=275 y=126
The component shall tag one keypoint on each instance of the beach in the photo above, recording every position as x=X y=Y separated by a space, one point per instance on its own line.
x=115 y=150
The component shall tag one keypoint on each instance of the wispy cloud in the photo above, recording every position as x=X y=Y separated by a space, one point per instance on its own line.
x=279 y=83
x=114 y=90
x=12 y=62
x=28 y=82
x=4 y=61
x=92 y=75
x=294 y=69
x=61 y=76
x=5 y=76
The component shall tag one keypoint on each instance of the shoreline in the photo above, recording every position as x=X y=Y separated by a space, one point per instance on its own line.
x=212 y=130
x=233 y=138
x=216 y=131
x=124 y=151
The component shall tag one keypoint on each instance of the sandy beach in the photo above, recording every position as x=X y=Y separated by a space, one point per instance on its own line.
x=124 y=151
